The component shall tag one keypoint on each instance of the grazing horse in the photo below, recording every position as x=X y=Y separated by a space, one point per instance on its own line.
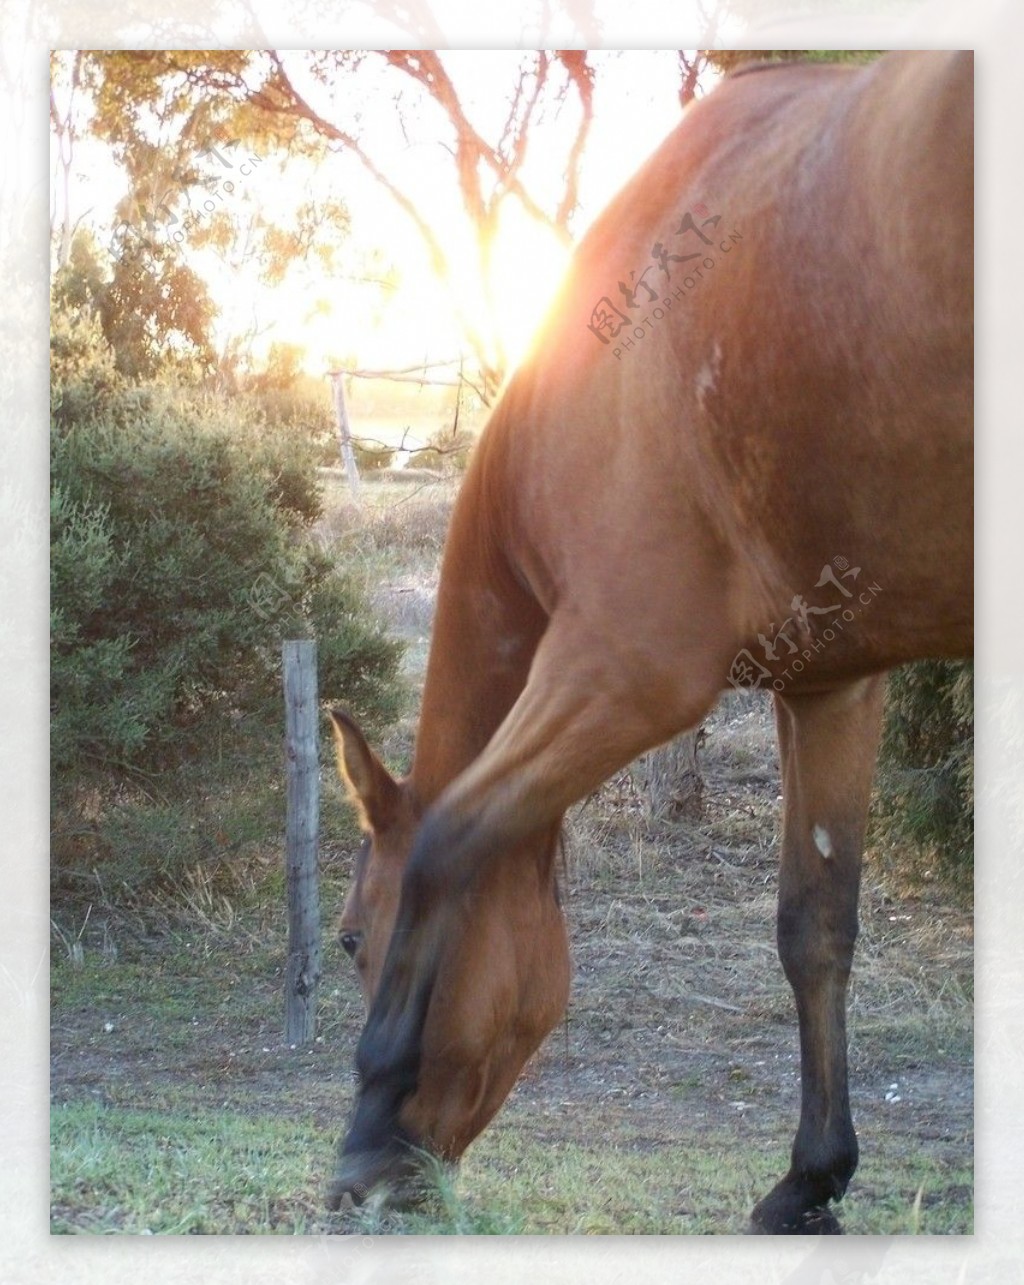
x=740 y=451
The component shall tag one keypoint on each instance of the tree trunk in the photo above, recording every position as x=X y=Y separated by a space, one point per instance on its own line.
x=670 y=779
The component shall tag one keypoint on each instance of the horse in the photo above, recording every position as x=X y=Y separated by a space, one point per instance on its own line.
x=739 y=453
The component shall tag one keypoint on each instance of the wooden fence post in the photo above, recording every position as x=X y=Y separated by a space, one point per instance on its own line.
x=348 y=455
x=302 y=832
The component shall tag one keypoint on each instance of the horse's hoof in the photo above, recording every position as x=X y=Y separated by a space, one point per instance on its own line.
x=788 y=1211
x=812 y=1222
x=339 y=1200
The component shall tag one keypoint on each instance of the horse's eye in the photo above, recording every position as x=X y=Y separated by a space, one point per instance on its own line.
x=350 y=943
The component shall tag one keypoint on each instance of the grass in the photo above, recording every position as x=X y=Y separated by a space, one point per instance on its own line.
x=188 y=1116
x=177 y=1173
x=224 y=1173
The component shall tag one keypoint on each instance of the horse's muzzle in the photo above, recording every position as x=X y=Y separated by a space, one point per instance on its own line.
x=396 y=1176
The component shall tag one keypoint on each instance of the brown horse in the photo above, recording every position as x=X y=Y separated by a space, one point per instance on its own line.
x=740 y=451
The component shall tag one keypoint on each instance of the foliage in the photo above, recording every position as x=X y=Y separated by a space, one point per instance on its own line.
x=370 y=456
x=174 y=578
x=178 y=564
x=185 y=104
x=302 y=407
x=83 y=378
x=926 y=764
x=154 y=313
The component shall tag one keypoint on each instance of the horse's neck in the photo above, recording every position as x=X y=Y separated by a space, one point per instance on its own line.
x=486 y=630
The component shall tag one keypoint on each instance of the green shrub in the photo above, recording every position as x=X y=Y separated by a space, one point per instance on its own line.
x=926 y=764
x=83 y=380
x=304 y=413
x=303 y=407
x=283 y=451
x=178 y=566
x=181 y=558
x=96 y=702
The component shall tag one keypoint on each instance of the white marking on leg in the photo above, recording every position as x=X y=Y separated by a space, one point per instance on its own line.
x=823 y=841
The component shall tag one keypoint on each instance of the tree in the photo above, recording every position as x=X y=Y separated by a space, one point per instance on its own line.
x=194 y=101
x=156 y=312
x=65 y=78
x=694 y=62
x=671 y=780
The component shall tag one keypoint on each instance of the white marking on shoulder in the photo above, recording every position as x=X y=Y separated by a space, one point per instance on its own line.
x=823 y=841
x=708 y=374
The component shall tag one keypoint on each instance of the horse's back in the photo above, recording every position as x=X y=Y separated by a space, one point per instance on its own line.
x=799 y=386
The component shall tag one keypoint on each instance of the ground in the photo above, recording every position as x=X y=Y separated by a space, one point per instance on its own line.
x=665 y=1103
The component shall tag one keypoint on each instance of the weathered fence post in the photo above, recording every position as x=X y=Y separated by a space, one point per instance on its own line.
x=302 y=832
x=348 y=455
x=671 y=780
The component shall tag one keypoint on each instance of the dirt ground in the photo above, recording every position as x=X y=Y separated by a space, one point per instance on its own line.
x=680 y=1022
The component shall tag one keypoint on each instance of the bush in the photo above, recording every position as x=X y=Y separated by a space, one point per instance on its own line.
x=371 y=456
x=181 y=557
x=926 y=764
x=178 y=566
x=96 y=702
x=83 y=380
x=302 y=408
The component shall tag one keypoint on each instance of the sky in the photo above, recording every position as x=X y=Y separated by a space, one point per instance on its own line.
x=335 y=320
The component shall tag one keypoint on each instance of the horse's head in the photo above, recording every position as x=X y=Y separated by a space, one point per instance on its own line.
x=503 y=979
x=388 y=816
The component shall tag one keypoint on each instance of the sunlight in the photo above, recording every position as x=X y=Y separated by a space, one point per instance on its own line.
x=528 y=262
x=344 y=313
x=349 y=323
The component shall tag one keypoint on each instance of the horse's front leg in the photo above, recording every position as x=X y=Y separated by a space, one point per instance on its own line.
x=828 y=743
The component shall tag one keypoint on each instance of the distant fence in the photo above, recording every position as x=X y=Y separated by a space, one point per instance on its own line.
x=409 y=375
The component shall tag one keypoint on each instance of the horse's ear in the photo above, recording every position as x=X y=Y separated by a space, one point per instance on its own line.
x=371 y=787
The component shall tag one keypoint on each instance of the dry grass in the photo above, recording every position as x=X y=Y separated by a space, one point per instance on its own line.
x=394 y=518
x=394 y=538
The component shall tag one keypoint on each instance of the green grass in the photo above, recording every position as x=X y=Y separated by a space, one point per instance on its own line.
x=896 y=1194
x=149 y=1173
x=224 y=1173
x=227 y=1173
x=191 y=1118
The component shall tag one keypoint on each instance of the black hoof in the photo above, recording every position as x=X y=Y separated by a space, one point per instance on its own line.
x=791 y=1209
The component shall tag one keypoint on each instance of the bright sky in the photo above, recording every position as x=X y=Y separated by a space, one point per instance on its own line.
x=636 y=103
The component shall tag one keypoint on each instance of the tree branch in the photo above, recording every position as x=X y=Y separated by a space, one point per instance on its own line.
x=438 y=258
x=582 y=76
